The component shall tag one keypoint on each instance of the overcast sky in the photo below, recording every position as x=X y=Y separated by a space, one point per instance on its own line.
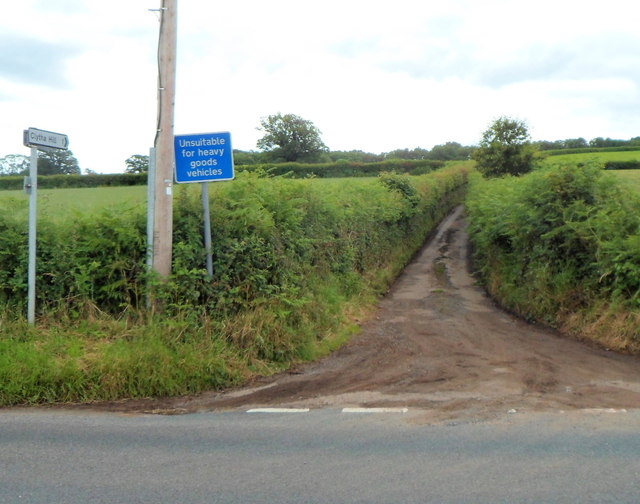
x=371 y=75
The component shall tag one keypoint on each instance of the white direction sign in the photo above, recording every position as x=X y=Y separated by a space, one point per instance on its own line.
x=34 y=137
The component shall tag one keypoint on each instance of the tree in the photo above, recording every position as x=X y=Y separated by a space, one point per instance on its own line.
x=416 y=153
x=355 y=156
x=575 y=143
x=252 y=157
x=606 y=142
x=14 y=164
x=544 y=145
x=289 y=137
x=137 y=163
x=57 y=162
x=450 y=151
x=505 y=149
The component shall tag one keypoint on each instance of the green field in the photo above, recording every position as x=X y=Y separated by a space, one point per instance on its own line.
x=630 y=178
x=600 y=157
x=69 y=202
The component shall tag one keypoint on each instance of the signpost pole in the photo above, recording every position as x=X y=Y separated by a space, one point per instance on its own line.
x=33 y=217
x=207 y=228
x=46 y=140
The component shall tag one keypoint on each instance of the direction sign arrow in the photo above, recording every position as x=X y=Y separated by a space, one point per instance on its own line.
x=34 y=137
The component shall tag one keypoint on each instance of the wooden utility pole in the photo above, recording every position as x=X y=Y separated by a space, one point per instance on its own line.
x=165 y=158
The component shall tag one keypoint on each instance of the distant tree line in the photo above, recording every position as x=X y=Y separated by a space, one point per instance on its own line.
x=290 y=138
x=447 y=152
x=55 y=162
x=581 y=143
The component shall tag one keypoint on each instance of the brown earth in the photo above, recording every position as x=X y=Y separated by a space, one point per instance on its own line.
x=439 y=346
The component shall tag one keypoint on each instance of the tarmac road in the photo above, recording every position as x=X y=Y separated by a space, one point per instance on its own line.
x=322 y=456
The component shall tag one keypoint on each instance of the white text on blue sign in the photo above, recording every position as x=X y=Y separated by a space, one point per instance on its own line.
x=206 y=157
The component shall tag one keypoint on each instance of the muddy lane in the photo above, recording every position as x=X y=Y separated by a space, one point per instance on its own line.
x=437 y=343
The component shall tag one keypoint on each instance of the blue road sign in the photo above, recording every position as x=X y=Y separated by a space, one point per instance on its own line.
x=204 y=157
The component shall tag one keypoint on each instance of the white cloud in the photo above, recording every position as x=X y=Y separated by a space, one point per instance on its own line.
x=371 y=75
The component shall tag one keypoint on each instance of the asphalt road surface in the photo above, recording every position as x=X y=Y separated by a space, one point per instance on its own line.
x=321 y=456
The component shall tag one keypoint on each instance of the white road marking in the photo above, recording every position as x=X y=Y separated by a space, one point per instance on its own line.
x=278 y=410
x=604 y=410
x=375 y=410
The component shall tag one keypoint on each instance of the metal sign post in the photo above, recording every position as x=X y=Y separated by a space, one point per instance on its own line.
x=204 y=157
x=44 y=140
x=32 y=189
x=207 y=228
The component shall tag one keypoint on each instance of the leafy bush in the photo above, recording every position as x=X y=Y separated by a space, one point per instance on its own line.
x=558 y=242
x=505 y=149
x=292 y=170
x=345 y=168
x=15 y=182
x=582 y=150
x=622 y=165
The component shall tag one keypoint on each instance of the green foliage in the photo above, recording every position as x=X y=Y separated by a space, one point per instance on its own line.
x=57 y=162
x=14 y=164
x=66 y=181
x=289 y=257
x=505 y=149
x=401 y=184
x=557 y=242
x=344 y=168
x=622 y=165
x=584 y=150
x=451 y=151
x=354 y=156
x=290 y=138
x=137 y=163
x=292 y=170
x=107 y=359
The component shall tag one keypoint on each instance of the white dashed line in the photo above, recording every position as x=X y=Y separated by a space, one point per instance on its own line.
x=344 y=410
x=604 y=410
x=375 y=410
x=278 y=410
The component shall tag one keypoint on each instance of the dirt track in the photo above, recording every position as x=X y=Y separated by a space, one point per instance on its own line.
x=438 y=344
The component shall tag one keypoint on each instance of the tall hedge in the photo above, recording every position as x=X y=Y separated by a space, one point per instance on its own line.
x=292 y=170
x=562 y=245
x=270 y=237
